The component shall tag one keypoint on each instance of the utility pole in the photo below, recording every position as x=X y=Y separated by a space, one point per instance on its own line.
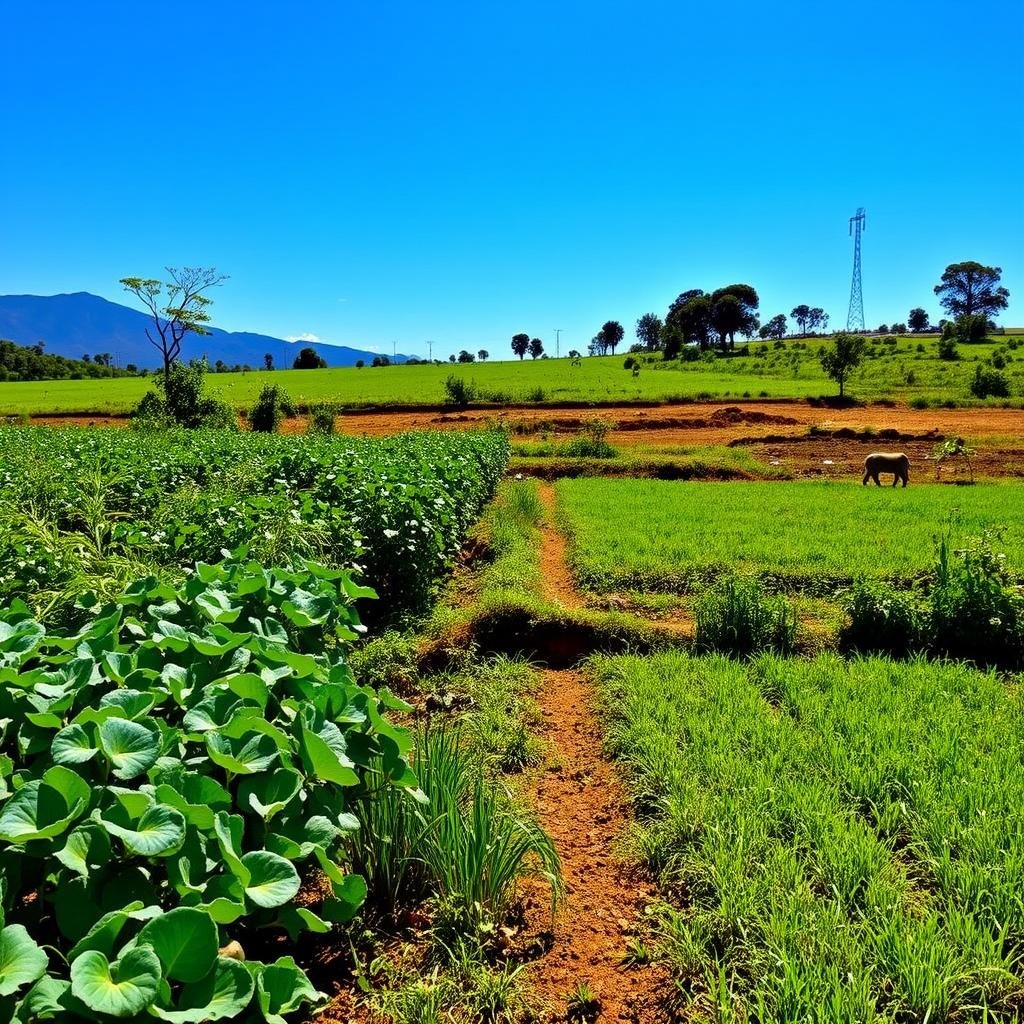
x=558 y=340
x=430 y=351
x=855 y=316
x=394 y=350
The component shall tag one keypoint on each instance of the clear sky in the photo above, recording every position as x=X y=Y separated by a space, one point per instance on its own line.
x=378 y=171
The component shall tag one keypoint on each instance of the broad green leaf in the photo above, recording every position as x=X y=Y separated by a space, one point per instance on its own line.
x=36 y=811
x=306 y=609
x=131 y=747
x=159 y=832
x=86 y=846
x=72 y=745
x=241 y=757
x=229 y=828
x=21 y=959
x=71 y=786
x=250 y=687
x=122 y=988
x=282 y=987
x=130 y=704
x=185 y=940
x=104 y=933
x=324 y=762
x=224 y=992
x=210 y=713
x=273 y=881
x=296 y=920
x=45 y=1000
x=269 y=793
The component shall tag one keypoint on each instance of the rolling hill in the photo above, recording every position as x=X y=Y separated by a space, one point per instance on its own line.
x=73 y=324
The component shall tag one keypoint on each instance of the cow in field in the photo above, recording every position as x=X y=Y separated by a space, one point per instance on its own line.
x=887 y=462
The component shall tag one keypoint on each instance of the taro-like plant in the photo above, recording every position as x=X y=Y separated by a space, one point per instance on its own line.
x=171 y=776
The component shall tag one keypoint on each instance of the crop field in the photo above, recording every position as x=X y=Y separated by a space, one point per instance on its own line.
x=658 y=535
x=78 y=511
x=792 y=370
x=844 y=839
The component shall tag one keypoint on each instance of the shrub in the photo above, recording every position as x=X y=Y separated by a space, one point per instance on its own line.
x=737 y=618
x=971 y=329
x=536 y=395
x=882 y=619
x=989 y=382
x=177 y=777
x=321 y=419
x=271 y=407
x=180 y=402
x=976 y=610
x=459 y=392
x=999 y=359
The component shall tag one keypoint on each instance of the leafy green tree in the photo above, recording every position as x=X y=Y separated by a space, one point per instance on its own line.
x=899 y=328
x=917 y=320
x=309 y=359
x=774 y=328
x=969 y=288
x=816 y=318
x=801 y=314
x=612 y=333
x=520 y=344
x=971 y=328
x=380 y=361
x=883 y=328
x=176 y=307
x=483 y=355
x=734 y=311
x=842 y=358
x=536 y=348
x=690 y=317
x=466 y=357
x=268 y=361
x=648 y=331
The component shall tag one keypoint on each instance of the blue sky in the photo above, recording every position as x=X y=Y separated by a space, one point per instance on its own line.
x=370 y=172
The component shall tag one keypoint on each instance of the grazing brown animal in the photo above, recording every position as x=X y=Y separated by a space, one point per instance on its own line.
x=887 y=462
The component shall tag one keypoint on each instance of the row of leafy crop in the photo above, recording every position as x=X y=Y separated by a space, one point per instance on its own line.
x=193 y=777
x=89 y=511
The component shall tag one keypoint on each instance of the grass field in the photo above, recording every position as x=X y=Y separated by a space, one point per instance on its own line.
x=669 y=536
x=842 y=841
x=894 y=371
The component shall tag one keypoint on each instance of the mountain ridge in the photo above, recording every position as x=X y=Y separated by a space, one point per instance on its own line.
x=72 y=324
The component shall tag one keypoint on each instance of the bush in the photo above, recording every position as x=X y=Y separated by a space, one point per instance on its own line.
x=182 y=403
x=737 y=618
x=947 y=347
x=881 y=619
x=271 y=407
x=321 y=420
x=459 y=392
x=536 y=395
x=971 y=329
x=976 y=610
x=988 y=382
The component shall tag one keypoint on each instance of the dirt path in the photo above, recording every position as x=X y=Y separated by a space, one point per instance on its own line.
x=580 y=802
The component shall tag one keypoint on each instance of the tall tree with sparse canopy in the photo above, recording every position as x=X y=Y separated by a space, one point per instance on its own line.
x=536 y=348
x=483 y=355
x=801 y=314
x=176 y=307
x=969 y=288
x=520 y=343
x=648 y=331
x=842 y=358
x=775 y=328
x=734 y=310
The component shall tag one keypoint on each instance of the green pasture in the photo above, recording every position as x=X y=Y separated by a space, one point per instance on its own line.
x=840 y=841
x=671 y=536
x=897 y=371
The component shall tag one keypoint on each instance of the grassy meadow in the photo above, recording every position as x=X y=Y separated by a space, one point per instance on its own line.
x=661 y=535
x=791 y=370
x=841 y=840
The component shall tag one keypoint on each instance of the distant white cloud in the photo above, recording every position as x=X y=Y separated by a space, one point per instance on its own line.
x=303 y=337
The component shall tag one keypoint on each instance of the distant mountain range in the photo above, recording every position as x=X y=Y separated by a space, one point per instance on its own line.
x=80 y=323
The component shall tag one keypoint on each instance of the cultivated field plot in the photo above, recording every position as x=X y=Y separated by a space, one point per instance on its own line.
x=660 y=535
x=905 y=369
x=89 y=511
x=842 y=841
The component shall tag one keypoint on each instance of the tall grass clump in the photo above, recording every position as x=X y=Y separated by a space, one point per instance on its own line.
x=737 y=618
x=462 y=841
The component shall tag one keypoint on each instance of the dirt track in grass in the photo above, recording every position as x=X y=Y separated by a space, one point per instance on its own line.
x=578 y=799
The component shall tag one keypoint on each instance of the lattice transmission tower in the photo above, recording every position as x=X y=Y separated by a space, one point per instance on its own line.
x=855 y=317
